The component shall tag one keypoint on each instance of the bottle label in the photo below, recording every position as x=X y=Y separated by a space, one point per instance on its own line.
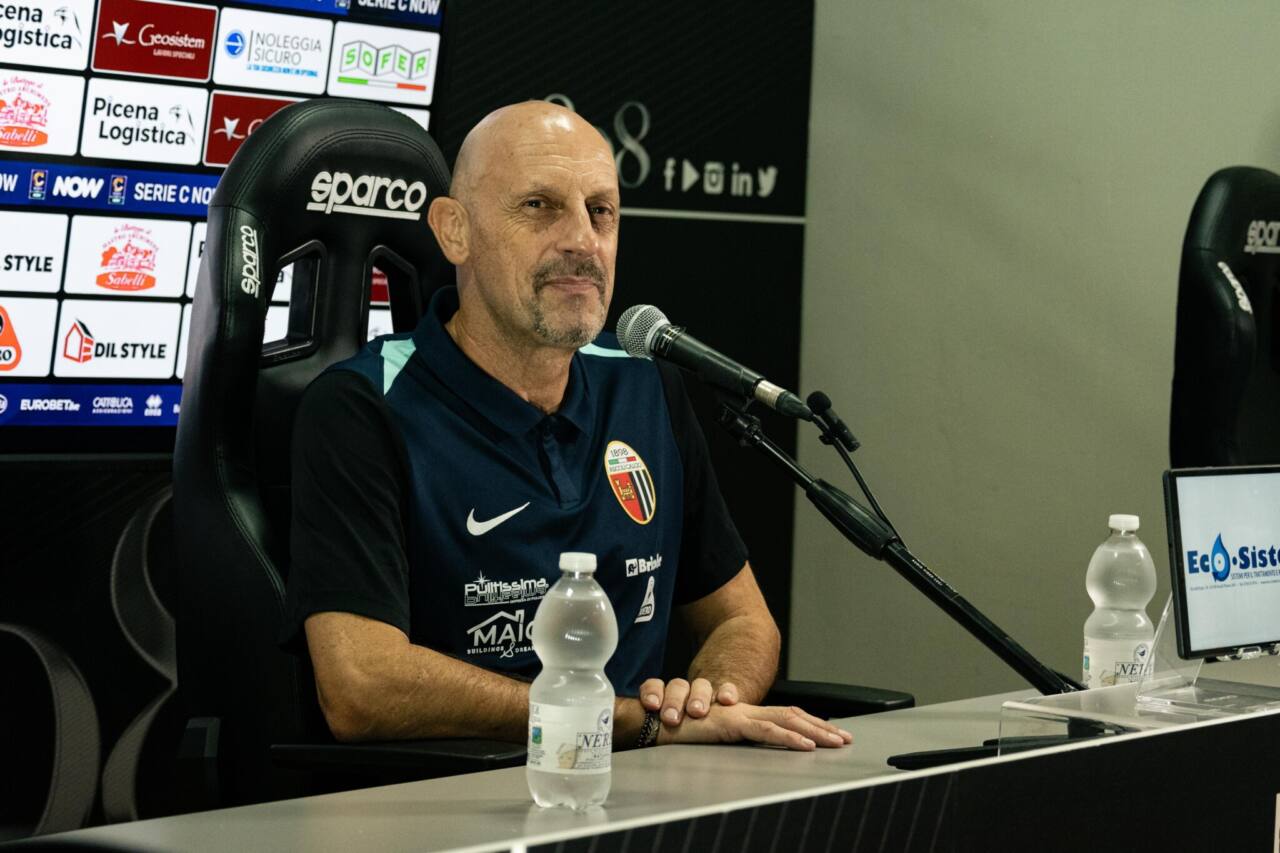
x=570 y=739
x=1108 y=662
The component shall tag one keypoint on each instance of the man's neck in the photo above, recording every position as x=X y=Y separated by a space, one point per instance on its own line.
x=539 y=375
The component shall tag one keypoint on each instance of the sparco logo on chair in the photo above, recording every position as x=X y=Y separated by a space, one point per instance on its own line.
x=367 y=195
x=250 y=273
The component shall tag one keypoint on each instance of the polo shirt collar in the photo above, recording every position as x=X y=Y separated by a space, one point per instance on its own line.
x=496 y=402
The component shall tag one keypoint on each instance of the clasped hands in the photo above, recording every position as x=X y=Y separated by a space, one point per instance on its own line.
x=701 y=713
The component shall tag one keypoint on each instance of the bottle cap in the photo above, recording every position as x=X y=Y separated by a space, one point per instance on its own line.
x=1126 y=523
x=577 y=561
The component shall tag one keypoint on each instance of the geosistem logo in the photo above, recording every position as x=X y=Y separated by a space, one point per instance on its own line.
x=1219 y=561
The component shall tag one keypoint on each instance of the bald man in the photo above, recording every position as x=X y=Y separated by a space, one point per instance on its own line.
x=439 y=474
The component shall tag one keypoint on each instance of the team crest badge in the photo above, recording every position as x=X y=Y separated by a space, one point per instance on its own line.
x=631 y=482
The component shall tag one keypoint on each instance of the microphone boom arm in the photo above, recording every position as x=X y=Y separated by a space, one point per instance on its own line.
x=878 y=540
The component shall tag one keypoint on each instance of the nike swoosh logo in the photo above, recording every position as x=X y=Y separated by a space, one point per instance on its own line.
x=480 y=528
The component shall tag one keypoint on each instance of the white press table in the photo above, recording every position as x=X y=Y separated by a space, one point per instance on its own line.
x=664 y=785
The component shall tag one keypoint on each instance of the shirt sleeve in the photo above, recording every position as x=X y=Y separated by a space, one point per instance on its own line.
x=711 y=550
x=347 y=549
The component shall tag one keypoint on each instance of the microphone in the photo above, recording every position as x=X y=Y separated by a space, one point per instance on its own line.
x=645 y=332
x=836 y=429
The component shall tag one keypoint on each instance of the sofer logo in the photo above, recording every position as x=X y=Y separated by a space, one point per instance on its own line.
x=1219 y=561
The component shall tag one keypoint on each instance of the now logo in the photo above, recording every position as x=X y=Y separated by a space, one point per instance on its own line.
x=75 y=186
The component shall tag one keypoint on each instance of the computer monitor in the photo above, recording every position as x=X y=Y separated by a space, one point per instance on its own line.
x=1224 y=547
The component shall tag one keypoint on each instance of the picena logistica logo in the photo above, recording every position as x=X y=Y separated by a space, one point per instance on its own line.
x=234 y=44
x=1219 y=561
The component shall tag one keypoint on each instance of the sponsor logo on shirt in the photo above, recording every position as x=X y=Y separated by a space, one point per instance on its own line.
x=483 y=591
x=505 y=634
x=631 y=482
x=155 y=38
x=647 y=606
x=641 y=565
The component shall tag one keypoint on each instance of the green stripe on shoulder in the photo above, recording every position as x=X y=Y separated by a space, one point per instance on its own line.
x=601 y=352
x=395 y=355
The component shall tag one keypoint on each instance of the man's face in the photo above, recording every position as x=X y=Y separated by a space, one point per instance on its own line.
x=544 y=216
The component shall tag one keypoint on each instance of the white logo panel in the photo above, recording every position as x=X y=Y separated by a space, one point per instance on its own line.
x=39 y=113
x=32 y=247
x=383 y=64
x=150 y=122
x=110 y=256
x=116 y=339
x=379 y=322
x=182 y=341
x=261 y=50
x=48 y=33
x=193 y=263
x=26 y=335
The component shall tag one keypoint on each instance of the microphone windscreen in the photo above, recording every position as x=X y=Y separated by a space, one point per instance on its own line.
x=636 y=327
x=819 y=403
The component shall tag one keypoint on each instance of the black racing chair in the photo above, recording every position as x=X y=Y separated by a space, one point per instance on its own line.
x=1226 y=379
x=333 y=187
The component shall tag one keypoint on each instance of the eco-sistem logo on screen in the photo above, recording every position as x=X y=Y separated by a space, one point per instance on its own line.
x=1219 y=561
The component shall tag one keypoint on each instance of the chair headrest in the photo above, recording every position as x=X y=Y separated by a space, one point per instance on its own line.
x=1237 y=218
x=350 y=174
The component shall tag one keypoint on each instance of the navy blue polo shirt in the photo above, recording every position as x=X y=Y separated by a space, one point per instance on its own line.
x=428 y=495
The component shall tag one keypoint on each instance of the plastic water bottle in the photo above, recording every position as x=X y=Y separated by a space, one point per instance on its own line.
x=571 y=700
x=1118 y=636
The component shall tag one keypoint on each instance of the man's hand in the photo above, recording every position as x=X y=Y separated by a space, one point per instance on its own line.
x=786 y=727
x=678 y=697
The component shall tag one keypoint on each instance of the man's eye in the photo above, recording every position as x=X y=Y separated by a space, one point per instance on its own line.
x=600 y=210
x=534 y=203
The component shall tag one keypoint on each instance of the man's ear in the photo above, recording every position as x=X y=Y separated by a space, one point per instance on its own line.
x=451 y=225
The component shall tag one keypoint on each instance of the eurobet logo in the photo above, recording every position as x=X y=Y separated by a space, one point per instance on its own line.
x=155 y=38
x=1219 y=561
x=1263 y=238
x=367 y=195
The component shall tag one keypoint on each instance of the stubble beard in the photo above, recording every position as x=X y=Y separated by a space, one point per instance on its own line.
x=579 y=330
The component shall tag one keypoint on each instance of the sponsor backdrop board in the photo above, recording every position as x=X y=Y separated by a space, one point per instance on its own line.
x=116 y=119
x=705 y=105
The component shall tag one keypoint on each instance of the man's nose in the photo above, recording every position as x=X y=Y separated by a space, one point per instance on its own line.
x=578 y=234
